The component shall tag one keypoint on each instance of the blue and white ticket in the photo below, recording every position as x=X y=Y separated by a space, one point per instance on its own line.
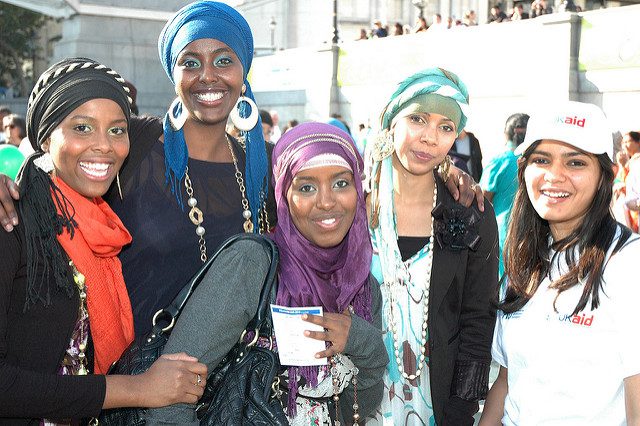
x=294 y=348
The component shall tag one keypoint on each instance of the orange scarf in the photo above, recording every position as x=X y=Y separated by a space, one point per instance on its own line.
x=99 y=236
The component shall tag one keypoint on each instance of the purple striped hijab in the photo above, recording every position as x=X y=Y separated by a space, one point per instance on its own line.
x=334 y=278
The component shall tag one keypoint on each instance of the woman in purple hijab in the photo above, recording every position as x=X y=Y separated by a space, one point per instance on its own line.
x=325 y=257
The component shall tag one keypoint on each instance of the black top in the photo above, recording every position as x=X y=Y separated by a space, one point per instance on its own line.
x=409 y=246
x=165 y=253
x=32 y=345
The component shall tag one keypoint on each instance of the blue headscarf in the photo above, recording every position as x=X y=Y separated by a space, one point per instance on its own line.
x=210 y=19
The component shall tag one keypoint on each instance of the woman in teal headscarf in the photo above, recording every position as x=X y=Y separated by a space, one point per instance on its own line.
x=437 y=260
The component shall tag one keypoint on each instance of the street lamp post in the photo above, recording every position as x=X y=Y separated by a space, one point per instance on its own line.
x=272 y=28
x=335 y=38
x=420 y=4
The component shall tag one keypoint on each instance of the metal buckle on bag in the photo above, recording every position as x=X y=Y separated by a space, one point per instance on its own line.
x=254 y=340
x=155 y=319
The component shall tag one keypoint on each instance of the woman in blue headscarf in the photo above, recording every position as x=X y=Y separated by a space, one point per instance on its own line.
x=187 y=185
x=435 y=259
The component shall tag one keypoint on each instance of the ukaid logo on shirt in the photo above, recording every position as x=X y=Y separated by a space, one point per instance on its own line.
x=571 y=120
x=579 y=319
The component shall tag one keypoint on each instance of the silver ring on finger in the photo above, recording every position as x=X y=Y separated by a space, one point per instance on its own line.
x=198 y=379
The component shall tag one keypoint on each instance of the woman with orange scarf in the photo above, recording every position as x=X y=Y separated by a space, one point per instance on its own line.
x=64 y=308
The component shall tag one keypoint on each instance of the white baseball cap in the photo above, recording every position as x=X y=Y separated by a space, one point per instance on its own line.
x=579 y=124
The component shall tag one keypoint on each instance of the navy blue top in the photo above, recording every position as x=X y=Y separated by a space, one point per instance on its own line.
x=165 y=252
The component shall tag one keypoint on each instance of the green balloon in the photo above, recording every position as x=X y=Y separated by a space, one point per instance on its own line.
x=10 y=160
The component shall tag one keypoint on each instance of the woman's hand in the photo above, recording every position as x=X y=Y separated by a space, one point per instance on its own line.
x=464 y=189
x=336 y=332
x=8 y=193
x=173 y=378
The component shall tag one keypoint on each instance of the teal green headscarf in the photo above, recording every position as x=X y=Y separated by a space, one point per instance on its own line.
x=431 y=90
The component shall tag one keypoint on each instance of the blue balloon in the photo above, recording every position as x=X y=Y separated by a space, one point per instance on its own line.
x=10 y=160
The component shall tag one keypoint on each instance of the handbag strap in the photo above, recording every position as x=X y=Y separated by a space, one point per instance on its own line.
x=172 y=311
x=261 y=322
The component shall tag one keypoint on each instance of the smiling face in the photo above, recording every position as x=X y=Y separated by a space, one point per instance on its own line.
x=208 y=79
x=89 y=146
x=561 y=184
x=422 y=140
x=322 y=203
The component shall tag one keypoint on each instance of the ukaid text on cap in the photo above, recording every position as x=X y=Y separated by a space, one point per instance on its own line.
x=579 y=124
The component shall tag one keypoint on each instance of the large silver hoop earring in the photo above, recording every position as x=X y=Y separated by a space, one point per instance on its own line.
x=382 y=145
x=118 y=185
x=177 y=114
x=44 y=163
x=248 y=123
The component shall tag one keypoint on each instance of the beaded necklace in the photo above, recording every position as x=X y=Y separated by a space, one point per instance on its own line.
x=395 y=287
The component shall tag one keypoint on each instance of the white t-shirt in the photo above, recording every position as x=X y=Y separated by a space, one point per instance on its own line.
x=568 y=370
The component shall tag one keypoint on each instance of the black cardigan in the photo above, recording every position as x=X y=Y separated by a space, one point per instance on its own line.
x=32 y=346
x=461 y=321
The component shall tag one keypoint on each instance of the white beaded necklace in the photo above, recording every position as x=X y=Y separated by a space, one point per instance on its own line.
x=393 y=287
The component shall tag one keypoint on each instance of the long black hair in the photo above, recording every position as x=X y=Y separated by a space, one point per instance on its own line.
x=526 y=249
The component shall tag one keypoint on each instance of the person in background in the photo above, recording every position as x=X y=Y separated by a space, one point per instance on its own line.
x=421 y=25
x=631 y=174
x=500 y=177
x=277 y=132
x=497 y=15
x=290 y=125
x=14 y=128
x=267 y=126
x=467 y=144
x=519 y=13
x=469 y=18
x=379 y=30
x=340 y=124
x=4 y=111
x=65 y=315
x=436 y=260
x=539 y=8
x=565 y=334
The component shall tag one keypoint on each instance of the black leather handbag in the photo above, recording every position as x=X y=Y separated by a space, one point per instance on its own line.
x=243 y=388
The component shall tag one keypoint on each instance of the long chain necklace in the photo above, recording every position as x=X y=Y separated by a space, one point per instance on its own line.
x=83 y=315
x=197 y=217
x=425 y=312
x=335 y=383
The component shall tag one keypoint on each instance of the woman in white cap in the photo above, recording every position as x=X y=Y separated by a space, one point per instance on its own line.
x=566 y=334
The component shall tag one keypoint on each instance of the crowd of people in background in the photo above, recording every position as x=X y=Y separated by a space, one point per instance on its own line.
x=469 y=19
